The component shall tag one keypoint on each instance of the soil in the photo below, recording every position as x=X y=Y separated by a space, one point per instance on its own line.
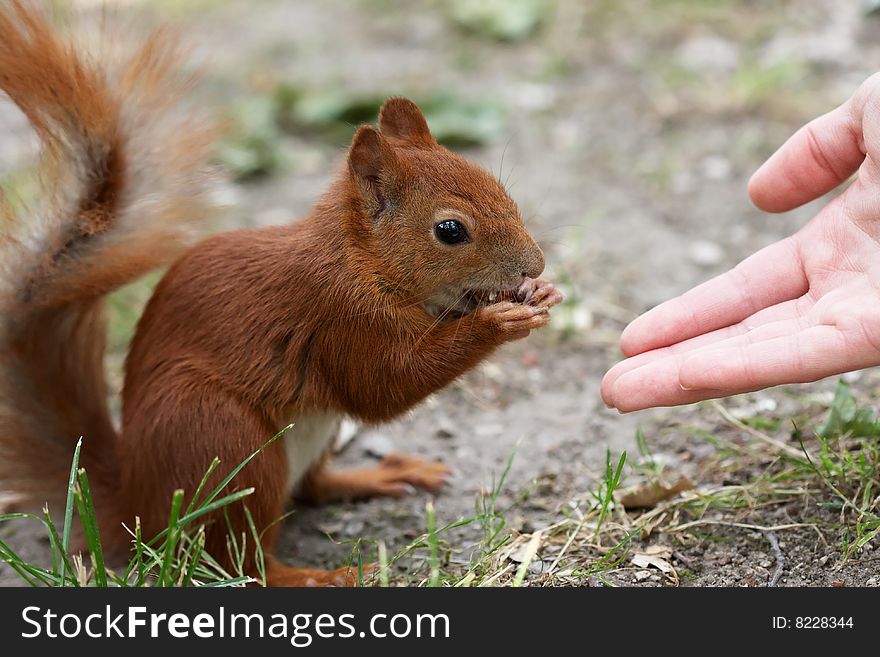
x=629 y=140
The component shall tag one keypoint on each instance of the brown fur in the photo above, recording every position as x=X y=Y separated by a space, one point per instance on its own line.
x=250 y=329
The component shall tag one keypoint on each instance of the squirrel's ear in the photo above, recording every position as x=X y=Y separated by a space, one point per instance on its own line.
x=369 y=155
x=371 y=162
x=402 y=119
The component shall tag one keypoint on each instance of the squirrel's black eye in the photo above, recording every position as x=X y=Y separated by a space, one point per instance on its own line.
x=451 y=232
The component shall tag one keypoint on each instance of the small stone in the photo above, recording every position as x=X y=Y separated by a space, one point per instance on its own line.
x=642 y=575
x=488 y=430
x=581 y=318
x=377 y=445
x=706 y=254
x=225 y=196
x=872 y=582
x=533 y=96
x=537 y=566
x=716 y=168
x=445 y=429
x=354 y=528
x=331 y=528
x=851 y=377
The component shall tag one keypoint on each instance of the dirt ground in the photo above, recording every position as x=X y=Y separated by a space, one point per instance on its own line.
x=629 y=133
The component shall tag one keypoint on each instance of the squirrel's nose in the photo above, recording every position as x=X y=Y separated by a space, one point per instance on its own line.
x=534 y=263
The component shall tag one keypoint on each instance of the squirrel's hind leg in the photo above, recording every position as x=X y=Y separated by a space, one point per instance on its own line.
x=173 y=450
x=279 y=574
x=395 y=476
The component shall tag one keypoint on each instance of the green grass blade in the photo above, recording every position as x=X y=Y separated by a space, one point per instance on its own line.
x=235 y=581
x=68 y=508
x=58 y=546
x=173 y=535
x=433 y=546
x=9 y=556
x=259 y=557
x=194 y=556
x=139 y=552
x=241 y=465
x=86 y=507
x=192 y=503
x=213 y=506
x=235 y=553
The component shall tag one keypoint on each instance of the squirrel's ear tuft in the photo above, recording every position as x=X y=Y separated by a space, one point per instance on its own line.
x=368 y=154
x=402 y=119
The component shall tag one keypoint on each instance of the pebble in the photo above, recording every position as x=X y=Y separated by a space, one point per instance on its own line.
x=376 y=444
x=534 y=96
x=851 y=377
x=716 y=168
x=488 y=430
x=354 y=528
x=446 y=429
x=225 y=195
x=705 y=253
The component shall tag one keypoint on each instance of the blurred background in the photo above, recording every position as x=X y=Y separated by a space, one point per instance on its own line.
x=626 y=131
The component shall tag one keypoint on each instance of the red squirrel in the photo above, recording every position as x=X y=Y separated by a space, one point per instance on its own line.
x=412 y=268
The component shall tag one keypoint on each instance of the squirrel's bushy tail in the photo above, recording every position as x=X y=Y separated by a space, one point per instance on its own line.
x=122 y=181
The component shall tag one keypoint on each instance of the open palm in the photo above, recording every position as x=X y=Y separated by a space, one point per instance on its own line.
x=799 y=310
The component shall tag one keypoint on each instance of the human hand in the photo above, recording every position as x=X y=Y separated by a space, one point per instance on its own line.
x=798 y=310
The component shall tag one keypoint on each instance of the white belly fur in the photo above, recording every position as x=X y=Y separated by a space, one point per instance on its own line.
x=306 y=441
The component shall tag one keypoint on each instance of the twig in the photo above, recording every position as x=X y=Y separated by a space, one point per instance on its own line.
x=741 y=525
x=568 y=543
x=777 y=554
x=763 y=437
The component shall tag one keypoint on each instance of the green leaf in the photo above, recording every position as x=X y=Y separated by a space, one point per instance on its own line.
x=846 y=418
x=505 y=20
x=454 y=121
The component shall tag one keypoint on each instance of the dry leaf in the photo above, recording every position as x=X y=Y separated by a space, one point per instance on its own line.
x=656 y=556
x=650 y=494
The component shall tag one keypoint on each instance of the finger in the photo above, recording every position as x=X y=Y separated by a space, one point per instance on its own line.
x=549 y=299
x=646 y=358
x=660 y=383
x=809 y=355
x=541 y=294
x=780 y=312
x=771 y=276
x=816 y=159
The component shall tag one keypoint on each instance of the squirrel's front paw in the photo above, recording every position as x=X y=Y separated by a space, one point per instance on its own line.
x=513 y=321
x=537 y=292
